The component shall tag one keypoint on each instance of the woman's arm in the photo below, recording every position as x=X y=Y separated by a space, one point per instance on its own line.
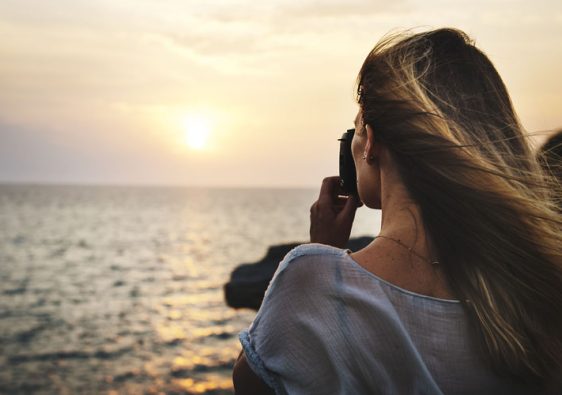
x=246 y=382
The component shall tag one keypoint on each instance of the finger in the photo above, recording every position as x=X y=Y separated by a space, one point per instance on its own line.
x=341 y=201
x=313 y=207
x=350 y=207
x=329 y=189
x=314 y=211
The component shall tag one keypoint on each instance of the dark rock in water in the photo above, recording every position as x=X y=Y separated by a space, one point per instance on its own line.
x=249 y=281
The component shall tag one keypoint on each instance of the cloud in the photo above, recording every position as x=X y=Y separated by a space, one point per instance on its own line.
x=279 y=10
x=244 y=37
x=341 y=9
x=230 y=36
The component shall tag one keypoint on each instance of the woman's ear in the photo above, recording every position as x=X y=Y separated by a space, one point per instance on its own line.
x=371 y=147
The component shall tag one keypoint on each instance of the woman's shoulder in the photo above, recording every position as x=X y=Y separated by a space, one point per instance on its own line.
x=311 y=258
x=315 y=249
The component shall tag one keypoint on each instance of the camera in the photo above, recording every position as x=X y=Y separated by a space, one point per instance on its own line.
x=348 y=176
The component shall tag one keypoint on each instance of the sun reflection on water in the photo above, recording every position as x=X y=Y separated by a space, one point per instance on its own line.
x=171 y=333
x=214 y=383
x=174 y=315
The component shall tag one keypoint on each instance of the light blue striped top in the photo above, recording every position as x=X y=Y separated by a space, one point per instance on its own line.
x=329 y=326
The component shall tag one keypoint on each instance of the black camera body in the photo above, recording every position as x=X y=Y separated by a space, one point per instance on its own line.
x=348 y=176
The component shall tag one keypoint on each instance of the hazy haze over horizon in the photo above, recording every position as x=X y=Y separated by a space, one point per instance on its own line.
x=221 y=93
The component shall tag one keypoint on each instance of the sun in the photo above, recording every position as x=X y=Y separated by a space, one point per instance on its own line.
x=197 y=130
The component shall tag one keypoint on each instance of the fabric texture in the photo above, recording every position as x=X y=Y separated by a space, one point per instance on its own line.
x=329 y=326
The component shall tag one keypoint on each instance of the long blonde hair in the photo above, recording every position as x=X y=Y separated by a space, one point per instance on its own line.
x=439 y=105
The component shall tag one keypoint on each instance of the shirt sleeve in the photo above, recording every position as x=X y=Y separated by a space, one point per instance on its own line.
x=292 y=343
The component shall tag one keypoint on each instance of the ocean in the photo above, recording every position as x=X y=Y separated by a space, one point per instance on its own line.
x=119 y=290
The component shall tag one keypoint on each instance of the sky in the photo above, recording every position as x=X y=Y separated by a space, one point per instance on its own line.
x=227 y=93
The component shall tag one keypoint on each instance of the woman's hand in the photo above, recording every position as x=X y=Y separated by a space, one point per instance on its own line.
x=331 y=216
x=246 y=381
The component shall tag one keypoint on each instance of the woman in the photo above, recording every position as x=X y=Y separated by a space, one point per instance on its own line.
x=461 y=292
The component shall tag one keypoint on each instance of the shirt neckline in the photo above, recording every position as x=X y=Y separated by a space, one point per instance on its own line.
x=396 y=287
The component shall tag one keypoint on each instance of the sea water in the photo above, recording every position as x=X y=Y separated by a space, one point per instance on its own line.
x=120 y=289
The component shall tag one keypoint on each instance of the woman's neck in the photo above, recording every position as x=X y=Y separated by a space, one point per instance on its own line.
x=401 y=217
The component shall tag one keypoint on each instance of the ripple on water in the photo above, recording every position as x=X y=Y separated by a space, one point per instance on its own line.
x=68 y=355
x=23 y=328
x=119 y=290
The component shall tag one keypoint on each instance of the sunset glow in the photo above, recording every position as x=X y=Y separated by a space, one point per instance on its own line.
x=245 y=87
x=197 y=132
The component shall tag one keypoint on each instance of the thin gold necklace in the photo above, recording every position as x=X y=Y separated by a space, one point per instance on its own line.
x=410 y=249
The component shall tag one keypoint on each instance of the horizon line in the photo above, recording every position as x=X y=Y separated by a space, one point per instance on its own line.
x=146 y=185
